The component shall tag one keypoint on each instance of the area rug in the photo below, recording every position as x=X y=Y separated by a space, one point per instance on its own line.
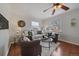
x=47 y=51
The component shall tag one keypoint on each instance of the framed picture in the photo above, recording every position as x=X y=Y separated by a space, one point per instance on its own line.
x=3 y=22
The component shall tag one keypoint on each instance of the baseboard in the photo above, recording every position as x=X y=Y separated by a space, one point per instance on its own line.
x=69 y=42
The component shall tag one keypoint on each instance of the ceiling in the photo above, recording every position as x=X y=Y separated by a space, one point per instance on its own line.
x=36 y=9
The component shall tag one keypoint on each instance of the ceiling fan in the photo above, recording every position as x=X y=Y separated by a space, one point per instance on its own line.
x=55 y=6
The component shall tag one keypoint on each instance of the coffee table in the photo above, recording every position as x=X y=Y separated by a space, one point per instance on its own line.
x=46 y=43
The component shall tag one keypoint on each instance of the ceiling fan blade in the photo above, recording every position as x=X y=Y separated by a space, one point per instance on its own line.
x=53 y=12
x=65 y=7
x=47 y=9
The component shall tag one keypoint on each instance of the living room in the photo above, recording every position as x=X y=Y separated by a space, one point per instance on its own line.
x=64 y=23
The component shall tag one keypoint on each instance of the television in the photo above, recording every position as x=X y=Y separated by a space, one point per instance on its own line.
x=39 y=32
x=3 y=22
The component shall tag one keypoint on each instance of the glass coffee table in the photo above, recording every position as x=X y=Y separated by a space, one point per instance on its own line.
x=46 y=43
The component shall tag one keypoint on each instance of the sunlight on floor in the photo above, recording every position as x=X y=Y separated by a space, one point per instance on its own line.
x=57 y=52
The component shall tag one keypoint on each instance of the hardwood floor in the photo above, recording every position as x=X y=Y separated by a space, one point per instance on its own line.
x=15 y=50
x=64 y=49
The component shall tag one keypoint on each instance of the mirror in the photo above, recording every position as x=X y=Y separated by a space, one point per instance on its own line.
x=21 y=23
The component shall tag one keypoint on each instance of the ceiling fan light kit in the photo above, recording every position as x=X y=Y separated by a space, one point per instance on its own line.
x=57 y=6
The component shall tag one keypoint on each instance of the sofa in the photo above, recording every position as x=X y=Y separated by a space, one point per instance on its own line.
x=32 y=48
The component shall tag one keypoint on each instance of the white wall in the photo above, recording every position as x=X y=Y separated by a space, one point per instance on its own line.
x=4 y=39
x=4 y=34
x=70 y=34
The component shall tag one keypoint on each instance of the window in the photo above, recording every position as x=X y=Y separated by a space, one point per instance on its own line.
x=35 y=24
